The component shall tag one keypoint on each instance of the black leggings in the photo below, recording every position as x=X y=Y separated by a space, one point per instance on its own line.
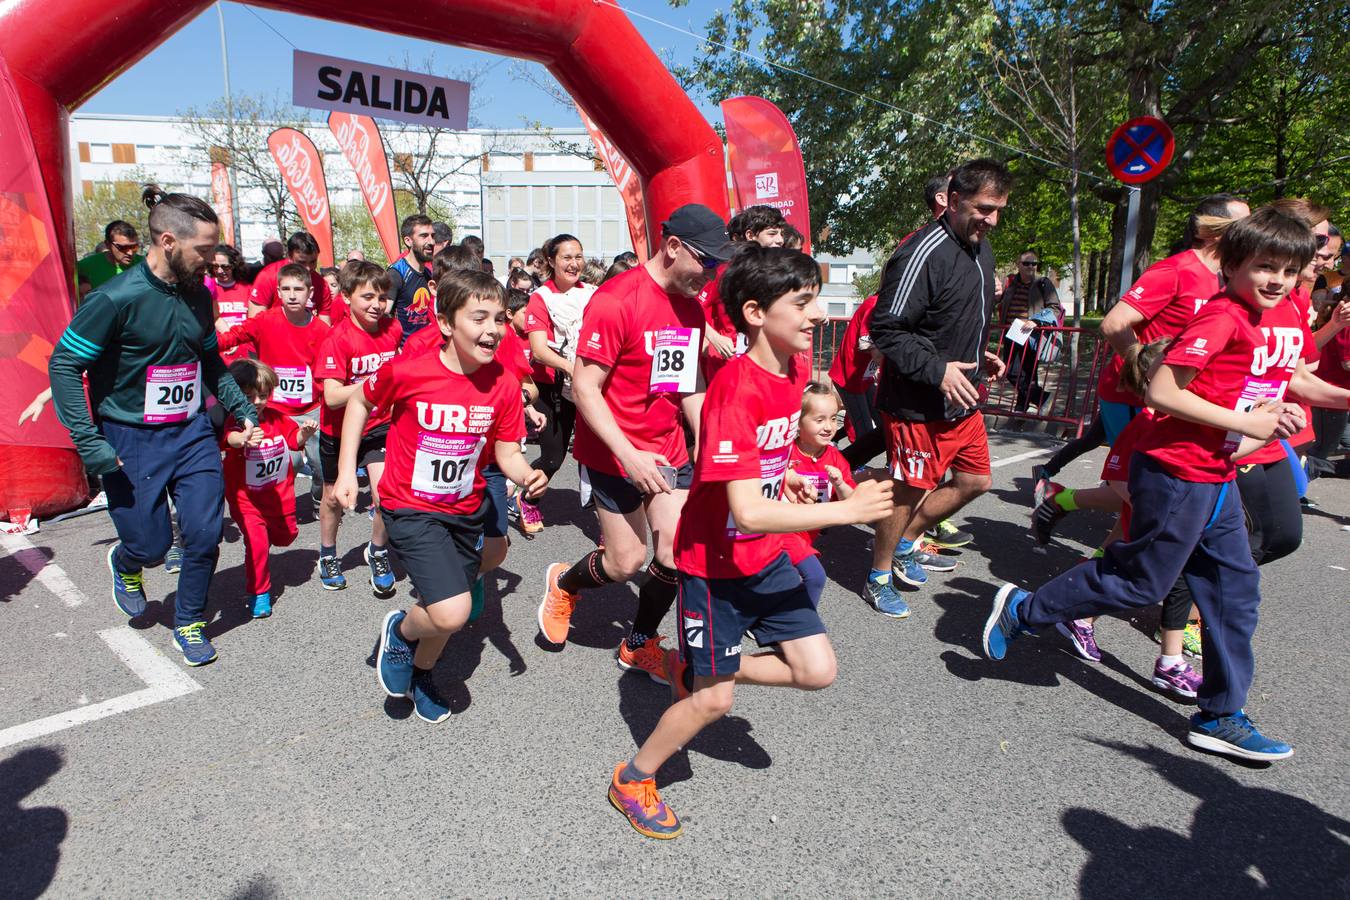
x=1093 y=438
x=1329 y=426
x=1274 y=517
x=556 y=434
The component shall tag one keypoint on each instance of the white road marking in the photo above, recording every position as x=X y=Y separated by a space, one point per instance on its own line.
x=163 y=680
x=52 y=576
x=1019 y=457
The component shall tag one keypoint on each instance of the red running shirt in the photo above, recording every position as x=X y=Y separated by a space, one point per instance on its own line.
x=349 y=354
x=264 y=289
x=442 y=423
x=852 y=362
x=512 y=351
x=1242 y=356
x=290 y=349
x=650 y=340
x=232 y=310
x=750 y=419
x=261 y=476
x=799 y=545
x=1168 y=294
x=1292 y=313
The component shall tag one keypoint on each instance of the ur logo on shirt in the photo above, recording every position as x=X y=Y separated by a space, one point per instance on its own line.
x=364 y=365
x=1283 y=352
x=449 y=417
x=777 y=433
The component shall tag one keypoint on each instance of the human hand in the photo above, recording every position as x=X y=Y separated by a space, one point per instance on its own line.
x=993 y=366
x=345 y=490
x=307 y=429
x=641 y=468
x=797 y=489
x=34 y=409
x=535 y=417
x=836 y=477
x=956 y=387
x=725 y=346
x=534 y=484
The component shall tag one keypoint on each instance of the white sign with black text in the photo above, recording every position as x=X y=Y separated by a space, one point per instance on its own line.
x=344 y=85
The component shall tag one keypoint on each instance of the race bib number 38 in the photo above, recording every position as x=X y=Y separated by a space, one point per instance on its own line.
x=444 y=466
x=675 y=361
x=172 y=393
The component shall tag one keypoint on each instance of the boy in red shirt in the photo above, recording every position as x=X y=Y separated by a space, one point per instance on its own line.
x=1223 y=377
x=355 y=349
x=445 y=409
x=259 y=482
x=734 y=572
x=302 y=250
x=287 y=338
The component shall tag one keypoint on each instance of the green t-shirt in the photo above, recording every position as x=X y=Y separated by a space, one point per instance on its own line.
x=96 y=268
x=149 y=348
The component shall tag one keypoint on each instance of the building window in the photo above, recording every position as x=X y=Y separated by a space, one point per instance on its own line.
x=124 y=154
x=84 y=152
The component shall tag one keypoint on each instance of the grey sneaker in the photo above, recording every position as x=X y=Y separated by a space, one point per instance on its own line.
x=928 y=558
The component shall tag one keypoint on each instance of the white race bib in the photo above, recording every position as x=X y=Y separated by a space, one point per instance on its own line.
x=773 y=466
x=295 y=386
x=172 y=393
x=266 y=465
x=675 y=360
x=445 y=464
x=1254 y=392
x=821 y=481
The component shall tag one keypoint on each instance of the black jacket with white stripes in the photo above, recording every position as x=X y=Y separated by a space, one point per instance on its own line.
x=933 y=307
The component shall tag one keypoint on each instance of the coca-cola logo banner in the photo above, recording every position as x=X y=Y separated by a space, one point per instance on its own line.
x=302 y=171
x=359 y=140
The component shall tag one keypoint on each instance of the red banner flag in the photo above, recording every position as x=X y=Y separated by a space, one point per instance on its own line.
x=222 y=197
x=626 y=180
x=359 y=139
x=766 y=163
x=302 y=171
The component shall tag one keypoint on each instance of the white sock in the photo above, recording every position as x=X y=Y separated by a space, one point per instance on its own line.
x=1170 y=662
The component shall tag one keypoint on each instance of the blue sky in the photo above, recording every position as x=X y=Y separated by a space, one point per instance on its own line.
x=260 y=62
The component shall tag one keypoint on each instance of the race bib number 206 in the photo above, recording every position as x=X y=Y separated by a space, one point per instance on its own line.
x=172 y=393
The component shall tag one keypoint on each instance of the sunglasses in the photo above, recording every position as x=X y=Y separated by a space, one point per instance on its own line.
x=220 y=266
x=1031 y=263
x=706 y=261
x=126 y=248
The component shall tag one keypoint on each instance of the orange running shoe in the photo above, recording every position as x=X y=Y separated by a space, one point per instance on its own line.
x=555 y=612
x=675 y=669
x=642 y=804
x=649 y=658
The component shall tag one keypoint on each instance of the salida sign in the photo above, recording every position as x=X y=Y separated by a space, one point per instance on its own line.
x=344 y=85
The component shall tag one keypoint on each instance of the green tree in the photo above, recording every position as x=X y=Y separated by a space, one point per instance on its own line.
x=107 y=201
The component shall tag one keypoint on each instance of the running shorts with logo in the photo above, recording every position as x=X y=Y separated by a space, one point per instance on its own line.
x=920 y=453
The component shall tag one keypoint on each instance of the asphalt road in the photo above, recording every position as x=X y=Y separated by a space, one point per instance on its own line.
x=281 y=770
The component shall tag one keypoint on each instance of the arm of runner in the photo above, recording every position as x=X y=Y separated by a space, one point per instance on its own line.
x=1314 y=391
x=546 y=355
x=353 y=425
x=839 y=482
x=34 y=409
x=93 y=328
x=512 y=462
x=640 y=465
x=244 y=333
x=336 y=394
x=217 y=379
x=724 y=345
x=903 y=298
x=754 y=513
x=691 y=406
x=1339 y=319
x=1167 y=394
x=1119 y=324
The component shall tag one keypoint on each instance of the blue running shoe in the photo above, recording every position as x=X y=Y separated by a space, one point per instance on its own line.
x=394 y=659
x=330 y=574
x=1236 y=736
x=128 y=588
x=1003 y=624
x=262 y=606
x=881 y=596
x=906 y=567
x=191 y=640
x=476 y=599
x=381 y=573
x=428 y=703
x=173 y=560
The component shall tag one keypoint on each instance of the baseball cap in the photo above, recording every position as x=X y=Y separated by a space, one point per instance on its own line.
x=700 y=228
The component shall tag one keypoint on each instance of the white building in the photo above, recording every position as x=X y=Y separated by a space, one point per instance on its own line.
x=515 y=189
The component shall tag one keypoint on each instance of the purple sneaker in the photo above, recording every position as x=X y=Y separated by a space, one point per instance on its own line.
x=1083 y=637
x=1180 y=681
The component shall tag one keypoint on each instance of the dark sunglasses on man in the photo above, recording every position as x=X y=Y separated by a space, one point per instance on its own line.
x=1030 y=263
x=126 y=248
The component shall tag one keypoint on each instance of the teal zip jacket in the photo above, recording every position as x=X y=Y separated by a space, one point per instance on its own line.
x=149 y=348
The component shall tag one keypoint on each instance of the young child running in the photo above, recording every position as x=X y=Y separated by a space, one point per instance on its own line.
x=734 y=573
x=259 y=481
x=825 y=474
x=287 y=338
x=444 y=409
x=1224 y=376
x=354 y=351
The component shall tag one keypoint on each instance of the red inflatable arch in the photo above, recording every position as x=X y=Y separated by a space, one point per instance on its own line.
x=59 y=54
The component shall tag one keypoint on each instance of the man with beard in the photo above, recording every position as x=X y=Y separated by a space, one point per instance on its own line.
x=408 y=276
x=148 y=343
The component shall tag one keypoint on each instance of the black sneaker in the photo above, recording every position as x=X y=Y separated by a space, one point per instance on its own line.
x=1045 y=518
x=1041 y=480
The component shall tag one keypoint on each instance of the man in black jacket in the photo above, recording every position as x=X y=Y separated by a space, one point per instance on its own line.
x=931 y=324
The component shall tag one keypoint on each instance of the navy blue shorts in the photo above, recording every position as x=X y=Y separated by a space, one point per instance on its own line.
x=619 y=495
x=773 y=605
x=495 y=523
x=441 y=553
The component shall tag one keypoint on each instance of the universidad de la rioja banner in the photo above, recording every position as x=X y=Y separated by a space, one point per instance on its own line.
x=626 y=180
x=359 y=139
x=302 y=171
x=766 y=162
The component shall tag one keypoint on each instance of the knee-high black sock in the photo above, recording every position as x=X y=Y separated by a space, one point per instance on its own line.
x=589 y=572
x=655 y=598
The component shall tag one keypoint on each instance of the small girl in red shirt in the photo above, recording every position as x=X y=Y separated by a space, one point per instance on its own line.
x=259 y=481
x=824 y=475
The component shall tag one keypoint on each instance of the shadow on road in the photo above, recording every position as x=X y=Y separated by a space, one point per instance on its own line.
x=30 y=837
x=1243 y=842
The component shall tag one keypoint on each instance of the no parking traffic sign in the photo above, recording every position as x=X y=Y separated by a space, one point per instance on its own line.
x=1139 y=150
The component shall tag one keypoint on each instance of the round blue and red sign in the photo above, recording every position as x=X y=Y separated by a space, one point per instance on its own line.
x=1139 y=150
